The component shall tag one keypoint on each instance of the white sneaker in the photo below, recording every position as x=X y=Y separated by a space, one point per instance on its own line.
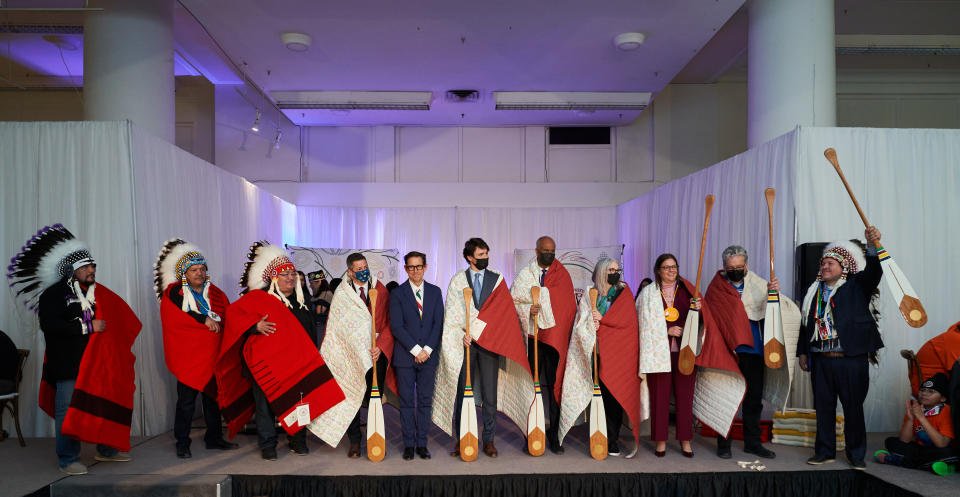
x=74 y=469
x=118 y=457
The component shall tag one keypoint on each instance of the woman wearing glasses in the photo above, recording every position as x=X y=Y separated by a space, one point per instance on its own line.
x=662 y=311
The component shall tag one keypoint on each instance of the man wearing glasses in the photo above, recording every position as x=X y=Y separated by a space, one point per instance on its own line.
x=738 y=297
x=416 y=319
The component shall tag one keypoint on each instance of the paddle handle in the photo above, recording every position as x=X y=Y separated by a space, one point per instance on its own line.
x=535 y=297
x=708 y=205
x=467 y=302
x=831 y=156
x=593 y=306
x=372 y=295
x=770 y=194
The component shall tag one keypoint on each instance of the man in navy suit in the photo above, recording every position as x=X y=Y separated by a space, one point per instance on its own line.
x=416 y=319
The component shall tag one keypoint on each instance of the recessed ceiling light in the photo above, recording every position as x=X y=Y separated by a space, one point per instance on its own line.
x=296 y=42
x=629 y=41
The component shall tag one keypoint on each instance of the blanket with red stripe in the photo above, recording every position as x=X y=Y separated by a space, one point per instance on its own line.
x=189 y=348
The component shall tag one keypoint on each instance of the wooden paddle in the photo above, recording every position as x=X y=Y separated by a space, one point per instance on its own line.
x=469 y=435
x=691 y=328
x=376 y=434
x=910 y=306
x=598 y=417
x=773 y=349
x=536 y=426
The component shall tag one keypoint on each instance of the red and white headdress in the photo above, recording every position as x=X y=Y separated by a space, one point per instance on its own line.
x=265 y=264
x=175 y=257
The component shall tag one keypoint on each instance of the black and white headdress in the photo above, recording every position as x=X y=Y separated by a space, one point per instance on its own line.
x=48 y=257
x=264 y=265
x=175 y=257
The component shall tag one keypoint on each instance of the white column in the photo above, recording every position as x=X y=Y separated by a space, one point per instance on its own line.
x=791 y=67
x=128 y=64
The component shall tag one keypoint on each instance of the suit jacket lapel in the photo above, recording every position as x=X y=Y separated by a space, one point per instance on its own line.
x=408 y=292
x=489 y=282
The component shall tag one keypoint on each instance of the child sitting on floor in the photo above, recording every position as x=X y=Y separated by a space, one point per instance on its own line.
x=927 y=431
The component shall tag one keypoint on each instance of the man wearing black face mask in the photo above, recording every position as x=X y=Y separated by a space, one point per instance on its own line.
x=739 y=298
x=555 y=313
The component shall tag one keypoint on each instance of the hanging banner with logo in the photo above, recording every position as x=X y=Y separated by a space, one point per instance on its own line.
x=383 y=263
x=579 y=263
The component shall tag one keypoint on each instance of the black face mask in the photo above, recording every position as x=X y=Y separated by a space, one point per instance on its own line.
x=545 y=259
x=736 y=275
x=482 y=263
x=613 y=279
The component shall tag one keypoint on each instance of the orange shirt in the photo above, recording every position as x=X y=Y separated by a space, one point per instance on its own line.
x=939 y=418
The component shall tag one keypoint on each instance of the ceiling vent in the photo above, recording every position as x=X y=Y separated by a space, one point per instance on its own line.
x=463 y=96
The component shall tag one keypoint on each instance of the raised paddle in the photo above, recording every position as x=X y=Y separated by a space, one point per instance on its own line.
x=690 y=343
x=469 y=436
x=376 y=434
x=536 y=426
x=910 y=306
x=598 y=417
x=773 y=349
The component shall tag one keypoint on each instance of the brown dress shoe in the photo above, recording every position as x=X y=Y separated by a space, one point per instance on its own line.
x=354 y=452
x=489 y=449
x=456 y=451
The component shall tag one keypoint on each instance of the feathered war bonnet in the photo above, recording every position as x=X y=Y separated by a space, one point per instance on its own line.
x=47 y=258
x=175 y=257
x=848 y=254
x=264 y=265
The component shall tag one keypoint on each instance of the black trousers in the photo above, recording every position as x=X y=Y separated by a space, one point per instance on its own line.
x=183 y=416
x=353 y=431
x=548 y=358
x=484 y=374
x=845 y=378
x=267 y=424
x=916 y=455
x=751 y=366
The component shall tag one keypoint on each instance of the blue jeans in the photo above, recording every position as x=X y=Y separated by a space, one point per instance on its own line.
x=68 y=448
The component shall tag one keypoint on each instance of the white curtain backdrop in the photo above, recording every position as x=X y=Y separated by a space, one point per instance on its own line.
x=124 y=192
x=906 y=181
x=441 y=232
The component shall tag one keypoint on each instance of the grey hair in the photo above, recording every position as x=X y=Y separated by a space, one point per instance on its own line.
x=733 y=251
x=600 y=274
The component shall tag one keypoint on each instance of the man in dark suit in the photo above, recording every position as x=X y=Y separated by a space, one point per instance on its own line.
x=485 y=364
x=838 y=334
x=416 y=319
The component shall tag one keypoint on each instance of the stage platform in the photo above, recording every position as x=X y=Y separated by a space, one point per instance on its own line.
x=155 y=470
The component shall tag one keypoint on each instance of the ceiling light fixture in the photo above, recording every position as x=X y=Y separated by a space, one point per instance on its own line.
x=296 y=42
x=256 y=123
x=629 y=41
x=571 y=100
x=276 y=141
x=353 y=100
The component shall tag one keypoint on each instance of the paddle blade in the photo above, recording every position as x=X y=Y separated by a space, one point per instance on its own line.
x=913 y=311
x=773 y=349
x=376 y=435
x=469 y=435
x=901 y=290
x=831 y=156
x=536 y=426
x=686 y=361
x=598 y=426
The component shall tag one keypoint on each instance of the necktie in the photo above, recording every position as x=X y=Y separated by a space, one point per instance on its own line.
x=420 y=302
x=543 y=276
x=477 y=288
x=363 y=296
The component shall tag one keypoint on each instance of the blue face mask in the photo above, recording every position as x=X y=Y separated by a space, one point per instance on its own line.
x=363 y=276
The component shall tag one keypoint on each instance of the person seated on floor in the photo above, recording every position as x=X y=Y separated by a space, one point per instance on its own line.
x=927 y=432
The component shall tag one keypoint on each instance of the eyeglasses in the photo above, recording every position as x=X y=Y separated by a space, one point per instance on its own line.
x=738 y=268
x=669 y=268
x=614 y=271
x=418 y=267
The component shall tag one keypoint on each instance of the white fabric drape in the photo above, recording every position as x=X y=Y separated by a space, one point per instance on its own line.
x=124 y=192
x=441 y=232
x=906 y=181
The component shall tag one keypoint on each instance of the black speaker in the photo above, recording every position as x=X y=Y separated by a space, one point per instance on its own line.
x=806 y=267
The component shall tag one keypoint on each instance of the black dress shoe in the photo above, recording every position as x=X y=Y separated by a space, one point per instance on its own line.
x=408 y=453
x=222 y=445
x=270 y=453
x=724 y=453
x=184 y=452
x=354 y=452
x=819 y=459
x=555 y=447
x=423 y=453
x=760 y=451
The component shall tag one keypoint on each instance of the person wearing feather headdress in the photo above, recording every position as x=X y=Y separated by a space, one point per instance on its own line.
x=838 y=333
x=191 y=310
x=270 y=338
x=88 y=372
